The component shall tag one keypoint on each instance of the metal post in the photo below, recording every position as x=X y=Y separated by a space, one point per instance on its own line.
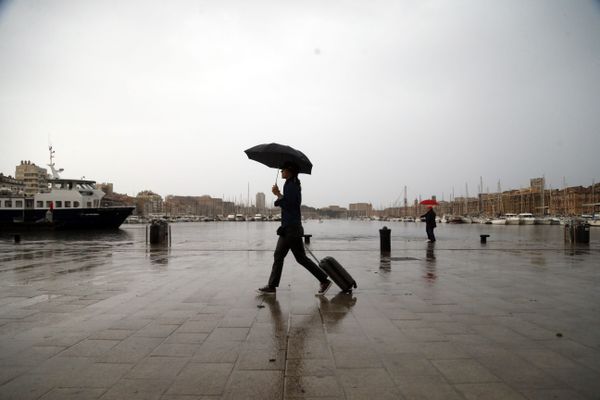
x=385 y=240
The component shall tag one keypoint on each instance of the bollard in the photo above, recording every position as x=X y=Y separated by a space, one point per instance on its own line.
x=577 y=231
x=385 y=240
x=17 y=238
x=159 y=232
x=582 y=232
x=307 y=239
x=484 y=238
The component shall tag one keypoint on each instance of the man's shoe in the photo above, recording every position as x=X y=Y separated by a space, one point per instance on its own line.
x=324 y=287
x=267 y=290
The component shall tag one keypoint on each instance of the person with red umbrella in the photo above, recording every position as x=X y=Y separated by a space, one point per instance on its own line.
x=429 y=219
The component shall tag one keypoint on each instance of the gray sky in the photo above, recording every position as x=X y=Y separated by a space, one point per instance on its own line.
x=166 y=95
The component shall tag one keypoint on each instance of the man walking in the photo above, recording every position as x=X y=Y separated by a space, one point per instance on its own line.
x=429 y=224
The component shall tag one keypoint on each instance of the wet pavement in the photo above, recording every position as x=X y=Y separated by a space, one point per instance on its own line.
x=104 y=316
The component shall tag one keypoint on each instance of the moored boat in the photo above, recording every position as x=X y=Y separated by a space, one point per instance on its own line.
x=499 y=221
x=526 y=219
x=595 y=220
x=63 y=204
x=512 y=219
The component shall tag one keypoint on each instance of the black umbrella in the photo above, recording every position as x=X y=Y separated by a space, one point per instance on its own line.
x=274 y=155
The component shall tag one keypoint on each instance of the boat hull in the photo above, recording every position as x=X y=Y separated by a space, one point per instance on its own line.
x=75 y=218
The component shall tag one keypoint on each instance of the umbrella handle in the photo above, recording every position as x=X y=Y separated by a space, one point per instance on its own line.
x=276 y=176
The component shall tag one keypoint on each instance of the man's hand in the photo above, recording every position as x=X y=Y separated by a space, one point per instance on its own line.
x=275 y=190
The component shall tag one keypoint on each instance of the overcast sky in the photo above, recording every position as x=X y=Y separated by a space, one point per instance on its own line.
x=166 y=95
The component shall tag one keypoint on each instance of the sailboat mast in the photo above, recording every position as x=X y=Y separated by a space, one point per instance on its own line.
x=466 y=198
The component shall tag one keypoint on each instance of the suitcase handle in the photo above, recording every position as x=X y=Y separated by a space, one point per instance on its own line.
x=313 y=256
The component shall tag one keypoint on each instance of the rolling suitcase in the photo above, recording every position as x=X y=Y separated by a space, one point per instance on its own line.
x=336 y=272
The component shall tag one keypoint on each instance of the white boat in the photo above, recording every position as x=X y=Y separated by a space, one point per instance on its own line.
x=63 y=204
x=543 y=221
x=258 y=217
x=526 y=219
x=499 y=221
x=595 y=221
x=231 y=217
x=512 y=219
x=240 y=217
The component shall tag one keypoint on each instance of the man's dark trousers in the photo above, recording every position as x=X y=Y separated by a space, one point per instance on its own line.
x=430 y=235
x=294 y=243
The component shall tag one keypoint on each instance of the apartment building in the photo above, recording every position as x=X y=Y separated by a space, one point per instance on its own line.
x=34 y=177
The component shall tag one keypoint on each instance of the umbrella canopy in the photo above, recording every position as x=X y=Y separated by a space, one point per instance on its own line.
x=429 y=203
x=274 y=155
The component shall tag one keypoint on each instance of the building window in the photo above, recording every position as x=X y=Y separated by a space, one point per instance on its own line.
x=89 y=204
x=48 y=204
x=19 y=204
x=39 y=204
x=8 y=203
x=76 y=204
x=67 y=204
x=58 y=204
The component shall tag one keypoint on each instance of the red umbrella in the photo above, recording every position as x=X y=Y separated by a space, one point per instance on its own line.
x=429 y=202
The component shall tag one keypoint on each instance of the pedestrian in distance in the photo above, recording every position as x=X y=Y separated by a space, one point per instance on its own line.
x=291 y=232
x=430 y=224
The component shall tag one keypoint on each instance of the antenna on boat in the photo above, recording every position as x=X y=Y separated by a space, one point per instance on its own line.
x=55 y=172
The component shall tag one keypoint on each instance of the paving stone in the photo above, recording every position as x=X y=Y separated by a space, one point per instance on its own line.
x=156 y=330
x=488 y=391
x=259 y=385
x=366 y=378
x=402 y=365
x=554 y=394
x=310 y=367
x=312 y=386
x=229 y=334
x=201 y=379
x=426 y=388
x=73 y=394
x=97 y=375
x=90 y=348
x=111 y=334
x=147 y=388
x=186 y=338
x=352 y=357
x=175 y=350
x=261 y=359
x=131 y=350
x=218 y=352
x=464 y=371
x=157 y=368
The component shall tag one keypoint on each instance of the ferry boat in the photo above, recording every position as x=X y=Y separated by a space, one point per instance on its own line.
x=64 y=204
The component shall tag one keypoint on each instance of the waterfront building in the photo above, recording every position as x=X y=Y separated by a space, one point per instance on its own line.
x=334 y=211
x=11 y=184
x=148 y=202
x=34 y=177
x=357 y=210
x=260 y=202
x=105 y=187
x=196 y=205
